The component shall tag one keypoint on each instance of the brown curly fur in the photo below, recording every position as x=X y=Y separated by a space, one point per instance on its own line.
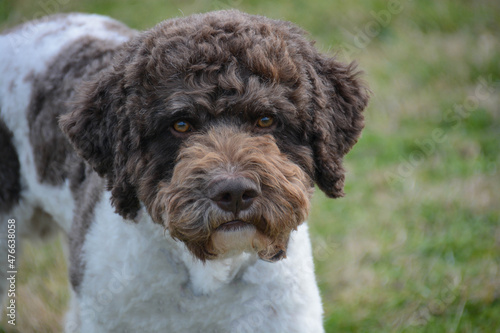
x=223 y=151
x=220 y=71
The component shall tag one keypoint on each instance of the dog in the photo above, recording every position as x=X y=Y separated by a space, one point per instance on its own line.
x=180 y=163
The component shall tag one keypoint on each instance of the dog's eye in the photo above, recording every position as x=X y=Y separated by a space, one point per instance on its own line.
x=182 y=126
x=265 y=122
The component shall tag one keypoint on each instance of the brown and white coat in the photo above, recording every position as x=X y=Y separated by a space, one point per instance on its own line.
x=179 y=161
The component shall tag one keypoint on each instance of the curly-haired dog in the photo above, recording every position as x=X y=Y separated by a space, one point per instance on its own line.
x=184 y=168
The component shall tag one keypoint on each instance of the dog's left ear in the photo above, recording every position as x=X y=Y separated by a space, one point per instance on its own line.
x=339 y=99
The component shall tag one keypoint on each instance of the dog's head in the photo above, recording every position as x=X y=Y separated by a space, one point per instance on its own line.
x=220 y=124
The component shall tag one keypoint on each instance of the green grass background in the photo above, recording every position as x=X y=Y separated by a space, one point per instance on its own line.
x=415 y=244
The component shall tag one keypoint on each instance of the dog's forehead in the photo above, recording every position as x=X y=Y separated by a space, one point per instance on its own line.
x=216 y=101
x=225 y=65
x=216 y=42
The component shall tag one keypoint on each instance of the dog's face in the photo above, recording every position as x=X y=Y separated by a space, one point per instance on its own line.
x=220 y=124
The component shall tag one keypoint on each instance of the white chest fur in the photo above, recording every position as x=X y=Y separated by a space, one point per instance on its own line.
x=138 y=278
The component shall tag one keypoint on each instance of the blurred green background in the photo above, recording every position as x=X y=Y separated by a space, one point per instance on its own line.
x=415 y=244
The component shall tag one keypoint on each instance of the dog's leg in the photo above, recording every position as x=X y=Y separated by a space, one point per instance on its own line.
x=4 y=219
x=3 y=258
x=13 y=230
x=10 y=207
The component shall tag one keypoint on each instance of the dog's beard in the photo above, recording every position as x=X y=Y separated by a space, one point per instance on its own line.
x=209 y=232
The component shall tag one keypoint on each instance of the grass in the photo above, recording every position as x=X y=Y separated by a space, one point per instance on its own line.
x=415 y=244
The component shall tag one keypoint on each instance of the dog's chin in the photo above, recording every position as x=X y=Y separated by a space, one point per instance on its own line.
x=234 y=237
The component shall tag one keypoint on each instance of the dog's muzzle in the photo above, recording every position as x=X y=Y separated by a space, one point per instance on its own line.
x=236 y=195
x=233 y=192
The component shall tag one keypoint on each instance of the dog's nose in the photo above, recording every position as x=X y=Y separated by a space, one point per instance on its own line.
x=234 y=194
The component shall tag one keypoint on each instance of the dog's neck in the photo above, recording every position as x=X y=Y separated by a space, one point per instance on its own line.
x=208 y=277
x=204 y=277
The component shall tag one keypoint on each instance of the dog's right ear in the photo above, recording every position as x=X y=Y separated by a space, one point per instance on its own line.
x=91 y=126
x=99 y=130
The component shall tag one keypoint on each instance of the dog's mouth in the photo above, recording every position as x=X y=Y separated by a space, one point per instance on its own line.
x=237 y=236
x=235 y=225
